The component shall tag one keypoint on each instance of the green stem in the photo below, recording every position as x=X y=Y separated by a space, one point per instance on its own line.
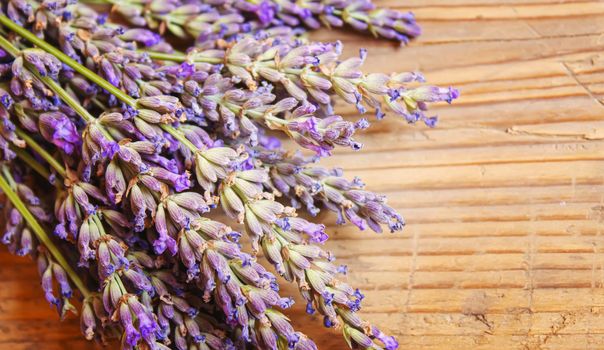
x=5 y=21
x=42 y=152
x=31 y=162
x=42 y=236
x=65 y=97
x=180 y=137
x=175 y=57
x=9 y=178
x=165 y=56
x=9 y=47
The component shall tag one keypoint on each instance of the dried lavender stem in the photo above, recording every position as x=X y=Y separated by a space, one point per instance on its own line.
x=56 y=88
x=8 y=47
x=179 y=136
x=179 y=57
x=242 y=195
x=40 y=233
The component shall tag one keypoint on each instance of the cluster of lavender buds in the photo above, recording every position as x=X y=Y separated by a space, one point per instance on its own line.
x=133 y=146
x=313 y=187
x=210 y=19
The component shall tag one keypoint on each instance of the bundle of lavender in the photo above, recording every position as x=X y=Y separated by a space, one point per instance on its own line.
x=117 y=148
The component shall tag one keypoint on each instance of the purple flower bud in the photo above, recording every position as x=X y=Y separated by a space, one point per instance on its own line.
x=265 y=12
x=109 y=72
x=61 y=278
x=25 y=243
x=88 y=320
x=316 y=232
x=58 y=129
x=309 y=309
x=47 y=286
x=433 y=94
x=143 y=36
x=431 y=122
x=43 y=62
x=179 y=182
x=139 y=280
x=132 y=336
x=390 y=342
x=164 y=241
x=5 y=99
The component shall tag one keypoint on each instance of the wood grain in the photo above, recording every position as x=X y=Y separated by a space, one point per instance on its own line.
x=504 y=200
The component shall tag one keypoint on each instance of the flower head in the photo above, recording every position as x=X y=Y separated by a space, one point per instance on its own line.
x=58 y=129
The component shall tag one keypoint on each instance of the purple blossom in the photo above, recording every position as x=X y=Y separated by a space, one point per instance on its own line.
x=143 y=36
x=266 y=12
x=58 y=129
x=316 y=232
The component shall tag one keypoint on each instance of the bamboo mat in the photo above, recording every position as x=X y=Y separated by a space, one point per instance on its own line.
x=504 y=199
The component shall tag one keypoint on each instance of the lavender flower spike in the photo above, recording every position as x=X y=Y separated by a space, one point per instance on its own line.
x=315 y=72
x=182 y=18
x=311 y=187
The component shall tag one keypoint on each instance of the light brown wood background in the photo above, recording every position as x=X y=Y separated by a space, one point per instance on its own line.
x=504 y=200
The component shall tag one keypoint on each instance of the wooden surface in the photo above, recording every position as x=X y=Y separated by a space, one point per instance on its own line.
x=504 y=200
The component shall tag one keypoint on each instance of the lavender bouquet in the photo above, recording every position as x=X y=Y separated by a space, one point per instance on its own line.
x=117 y=148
